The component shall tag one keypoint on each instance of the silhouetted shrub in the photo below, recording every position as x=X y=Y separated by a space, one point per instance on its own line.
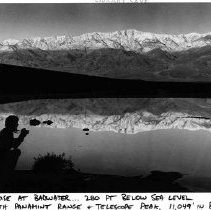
x=47 y=122
x=34 y=122
x=52 y=163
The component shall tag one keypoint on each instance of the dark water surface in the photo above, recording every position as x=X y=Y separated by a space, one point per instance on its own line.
x=184 y=151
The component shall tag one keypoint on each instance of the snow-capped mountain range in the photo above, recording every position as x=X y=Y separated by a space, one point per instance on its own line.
x=120 y=54
x=131 y=40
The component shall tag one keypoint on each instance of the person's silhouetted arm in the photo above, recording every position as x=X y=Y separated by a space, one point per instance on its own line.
x=15 y=143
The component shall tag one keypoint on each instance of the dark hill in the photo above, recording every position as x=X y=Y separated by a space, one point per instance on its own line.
x=22 y=83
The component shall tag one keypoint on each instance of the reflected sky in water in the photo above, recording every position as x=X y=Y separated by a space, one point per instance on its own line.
x=112 y=153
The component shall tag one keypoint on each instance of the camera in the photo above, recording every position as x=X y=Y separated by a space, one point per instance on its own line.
x=25 y=131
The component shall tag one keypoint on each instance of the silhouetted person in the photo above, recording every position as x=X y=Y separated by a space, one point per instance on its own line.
x=9 y=152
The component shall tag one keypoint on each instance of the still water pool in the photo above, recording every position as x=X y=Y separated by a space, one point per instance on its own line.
x=183 y=151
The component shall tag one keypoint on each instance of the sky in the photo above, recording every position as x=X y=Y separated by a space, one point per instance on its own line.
x=18 y=21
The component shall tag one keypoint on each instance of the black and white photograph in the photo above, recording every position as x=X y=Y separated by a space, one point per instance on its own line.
x=105 y=97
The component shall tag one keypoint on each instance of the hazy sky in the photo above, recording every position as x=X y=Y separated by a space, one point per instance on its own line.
x=24 y=20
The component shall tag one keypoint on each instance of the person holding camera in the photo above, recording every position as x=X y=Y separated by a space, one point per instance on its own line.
x=9 y=152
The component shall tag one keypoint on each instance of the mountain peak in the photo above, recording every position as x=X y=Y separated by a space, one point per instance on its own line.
x=10 y=41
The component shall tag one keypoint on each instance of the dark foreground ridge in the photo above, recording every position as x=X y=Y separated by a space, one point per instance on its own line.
x=80 y=182
x=23 y=83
